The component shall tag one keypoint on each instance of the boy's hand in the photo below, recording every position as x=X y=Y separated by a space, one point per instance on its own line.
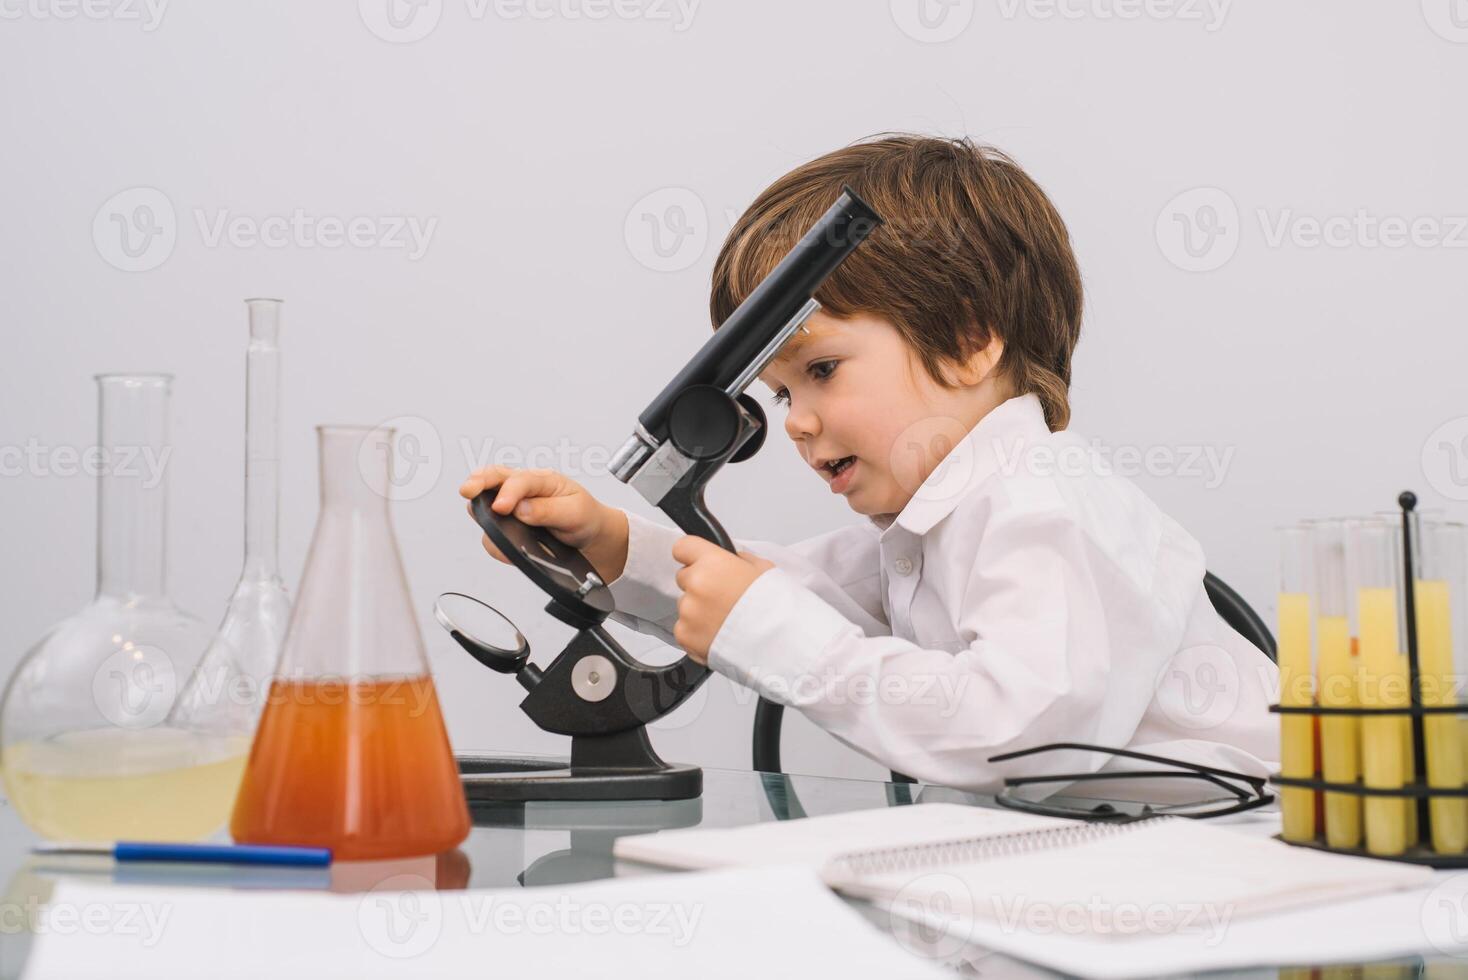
x=712 y=581
x=562 y=506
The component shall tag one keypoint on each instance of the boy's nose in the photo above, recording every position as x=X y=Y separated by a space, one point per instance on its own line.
x=801 y=423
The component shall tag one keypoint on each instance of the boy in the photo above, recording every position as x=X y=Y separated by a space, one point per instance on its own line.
x=991 y=599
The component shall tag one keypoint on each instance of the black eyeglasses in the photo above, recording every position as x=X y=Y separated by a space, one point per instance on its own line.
x=1198 y=785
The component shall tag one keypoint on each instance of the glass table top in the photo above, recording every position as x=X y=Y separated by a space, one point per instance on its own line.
x=546 y=844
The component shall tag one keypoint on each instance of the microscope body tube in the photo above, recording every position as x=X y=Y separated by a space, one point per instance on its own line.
x=779 y=297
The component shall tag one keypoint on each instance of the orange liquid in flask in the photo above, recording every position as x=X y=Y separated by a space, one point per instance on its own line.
x=363 y=767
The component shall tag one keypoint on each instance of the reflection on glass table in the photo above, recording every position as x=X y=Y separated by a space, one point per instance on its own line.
x=543 y=844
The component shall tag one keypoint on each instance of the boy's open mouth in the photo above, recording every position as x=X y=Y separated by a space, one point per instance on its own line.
x=836 y=467
x=839 y=473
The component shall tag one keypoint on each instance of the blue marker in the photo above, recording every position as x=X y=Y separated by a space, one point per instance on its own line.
x=310 y=857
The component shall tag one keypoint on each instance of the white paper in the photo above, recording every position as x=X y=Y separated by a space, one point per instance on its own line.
x=812 y=841
x=1429 y=921
x=1149 y=878
x=765 y=923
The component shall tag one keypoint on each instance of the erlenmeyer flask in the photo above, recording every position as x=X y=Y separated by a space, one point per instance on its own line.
x=351 y=752
x=87 y=752
x=226 y=693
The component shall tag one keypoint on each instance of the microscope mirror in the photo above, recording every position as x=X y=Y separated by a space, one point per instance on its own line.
x=483 y=630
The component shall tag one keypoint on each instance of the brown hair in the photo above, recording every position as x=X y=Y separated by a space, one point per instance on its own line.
x=969 y=244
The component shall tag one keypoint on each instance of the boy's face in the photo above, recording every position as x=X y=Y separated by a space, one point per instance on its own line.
x=855 y=390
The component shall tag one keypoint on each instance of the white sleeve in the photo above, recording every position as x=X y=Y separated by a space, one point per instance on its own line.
x=1038 y=666
x=841 y=567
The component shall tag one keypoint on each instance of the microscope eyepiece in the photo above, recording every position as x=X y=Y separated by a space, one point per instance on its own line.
x=703 y=418
x=748 y=332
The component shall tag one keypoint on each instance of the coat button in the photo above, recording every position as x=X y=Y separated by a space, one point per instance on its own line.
x=903 y=566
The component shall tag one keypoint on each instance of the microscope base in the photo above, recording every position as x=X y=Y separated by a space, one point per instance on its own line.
x=602 y=767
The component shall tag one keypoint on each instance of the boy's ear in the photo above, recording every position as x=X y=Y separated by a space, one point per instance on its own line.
x=980 y=364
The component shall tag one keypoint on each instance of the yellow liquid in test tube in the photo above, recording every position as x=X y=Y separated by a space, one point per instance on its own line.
x=1340 y=735
x=1463 y=728
x=1441 y=732
x=1296 y=732
x=1383 y=684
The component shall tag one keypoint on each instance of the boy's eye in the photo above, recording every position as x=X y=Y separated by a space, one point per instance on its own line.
x=819 y=371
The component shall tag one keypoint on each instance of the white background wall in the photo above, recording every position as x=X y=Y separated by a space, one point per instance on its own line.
x=531 y=134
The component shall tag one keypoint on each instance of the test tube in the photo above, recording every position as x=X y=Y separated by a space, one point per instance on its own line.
x=1438 y=596
x=1296 y=731
x=1337 y=683
x=1372 y=569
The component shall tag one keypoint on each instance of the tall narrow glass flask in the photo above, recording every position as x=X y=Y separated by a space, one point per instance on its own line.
x=88 y=750
x=351 y=752
x=226 y=694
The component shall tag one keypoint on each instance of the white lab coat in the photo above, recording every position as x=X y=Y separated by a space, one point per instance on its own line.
x=1024 y=595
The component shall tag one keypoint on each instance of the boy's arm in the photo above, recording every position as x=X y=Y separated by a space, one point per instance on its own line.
x=1054 y=646
x=840 y=567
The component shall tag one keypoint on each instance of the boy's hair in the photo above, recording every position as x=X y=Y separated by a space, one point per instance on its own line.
x=969 y=243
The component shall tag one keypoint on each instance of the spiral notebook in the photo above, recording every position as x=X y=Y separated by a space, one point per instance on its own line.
x=1026 y=872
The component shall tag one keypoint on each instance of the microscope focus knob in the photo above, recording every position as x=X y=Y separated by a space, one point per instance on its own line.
x=703 y=422
x=757 y=437
x=593 y=678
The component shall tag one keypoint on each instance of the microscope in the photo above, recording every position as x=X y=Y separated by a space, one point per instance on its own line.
x=594 y=690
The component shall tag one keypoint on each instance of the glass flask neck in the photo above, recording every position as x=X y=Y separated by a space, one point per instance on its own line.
x=353 y=615
x=132 y=484
x=262 y=441
x=356 y=467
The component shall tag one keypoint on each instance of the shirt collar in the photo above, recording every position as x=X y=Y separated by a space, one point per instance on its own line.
x=996 y=438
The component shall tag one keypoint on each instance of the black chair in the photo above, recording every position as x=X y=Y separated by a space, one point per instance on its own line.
x=1239 y=614
x=1230 y=606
